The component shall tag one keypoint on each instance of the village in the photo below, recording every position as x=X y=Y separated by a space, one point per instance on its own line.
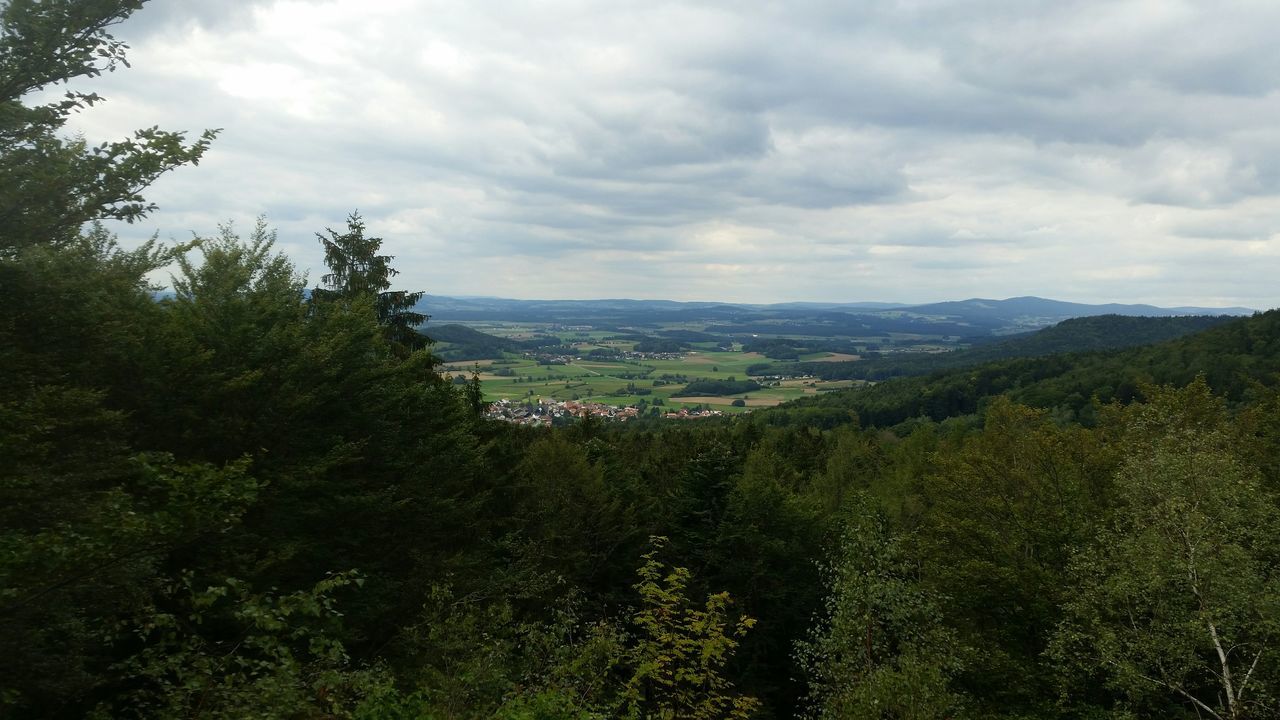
x=615 y=355
x=548 y=413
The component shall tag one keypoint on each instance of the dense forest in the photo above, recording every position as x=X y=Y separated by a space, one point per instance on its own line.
x=258 y=497
x=1100 y=332
x=454 y=343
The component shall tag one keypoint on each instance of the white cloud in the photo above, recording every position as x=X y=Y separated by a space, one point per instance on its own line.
x=1090 y=150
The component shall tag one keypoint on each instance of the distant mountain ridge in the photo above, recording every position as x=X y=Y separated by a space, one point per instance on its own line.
x=972 y=318
x=1028 y=304
x=1031 y=306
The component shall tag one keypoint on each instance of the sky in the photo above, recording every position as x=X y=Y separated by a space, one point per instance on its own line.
x=821 y=150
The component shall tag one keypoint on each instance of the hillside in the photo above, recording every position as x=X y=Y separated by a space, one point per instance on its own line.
x=1100 y=332
x=967 y=318
x=459 y=342
x=1231 y=356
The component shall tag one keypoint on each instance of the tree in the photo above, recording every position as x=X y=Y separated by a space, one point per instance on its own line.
x=83 y=542
x=881 y=649
x=680 y=653
x=341 y=432
x=1004 y=509
x=567 y=516
x=50 y=185
x=1176 y=600
x=763 y=553
x=357 y=270
x=87 y=519
x=226 y=652
x=239 y=353
x=853 y=463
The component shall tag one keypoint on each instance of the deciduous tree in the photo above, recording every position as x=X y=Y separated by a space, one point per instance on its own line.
x=1177 y=597
x=50 y=185
x=881 y=650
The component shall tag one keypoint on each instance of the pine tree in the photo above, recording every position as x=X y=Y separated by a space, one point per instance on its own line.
x=357 y=270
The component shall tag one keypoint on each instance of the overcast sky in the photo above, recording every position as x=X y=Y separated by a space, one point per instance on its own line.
x=738 y=151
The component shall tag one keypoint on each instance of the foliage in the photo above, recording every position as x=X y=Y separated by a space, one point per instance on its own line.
x=558 y=665
x=1005 y=507
x=567 y=514
x=51 y=185
x=660 y=345
x=357 y=270
x=792 y=349
x=89 y=550
x=881 y=649
x=1178 y=593
x=87 y=517
x=227 y=652
x=681 y=651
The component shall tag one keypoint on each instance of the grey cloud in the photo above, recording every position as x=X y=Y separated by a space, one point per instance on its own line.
x=950 y=265
x=1233 y=226
x=963 y=134
x=168 y=16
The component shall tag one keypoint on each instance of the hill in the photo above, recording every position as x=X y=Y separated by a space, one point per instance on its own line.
x=974 y=318
x=459 y=342
x=1030 y=309
x=1099 y=332
x=1232 y=357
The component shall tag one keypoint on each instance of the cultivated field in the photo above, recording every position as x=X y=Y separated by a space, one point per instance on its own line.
x=630 y=382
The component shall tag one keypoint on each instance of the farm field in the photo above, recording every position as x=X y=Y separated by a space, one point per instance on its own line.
x=633 y=382
x=664 y=356
x=648 y=365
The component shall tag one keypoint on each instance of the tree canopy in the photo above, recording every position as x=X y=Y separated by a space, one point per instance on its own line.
x=247 y=499
x=50 y=184
x=356 y=270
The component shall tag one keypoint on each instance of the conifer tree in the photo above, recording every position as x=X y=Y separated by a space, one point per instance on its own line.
x=357 y=270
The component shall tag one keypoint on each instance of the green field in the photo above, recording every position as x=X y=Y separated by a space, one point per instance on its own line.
x=627 y=382
x=634 y=381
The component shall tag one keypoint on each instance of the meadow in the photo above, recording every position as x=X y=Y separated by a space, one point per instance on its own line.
x=645 y=382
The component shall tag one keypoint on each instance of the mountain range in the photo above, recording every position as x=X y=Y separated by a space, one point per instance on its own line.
x=973 y=318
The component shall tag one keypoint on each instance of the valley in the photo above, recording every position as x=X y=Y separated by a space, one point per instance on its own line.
x=586 y=366
x=660 y=357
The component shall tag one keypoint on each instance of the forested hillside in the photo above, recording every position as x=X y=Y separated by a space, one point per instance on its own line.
x=459 y=342
x=1101 y=332
x=1235 y=358
x=248 y=499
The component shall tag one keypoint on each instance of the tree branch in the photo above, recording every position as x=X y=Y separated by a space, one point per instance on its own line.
x=1245 y=681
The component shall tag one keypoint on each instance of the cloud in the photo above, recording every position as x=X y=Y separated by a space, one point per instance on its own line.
x=817 y=150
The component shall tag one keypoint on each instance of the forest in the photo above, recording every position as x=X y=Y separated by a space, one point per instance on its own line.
x=258 y=497
x=1102 y=332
